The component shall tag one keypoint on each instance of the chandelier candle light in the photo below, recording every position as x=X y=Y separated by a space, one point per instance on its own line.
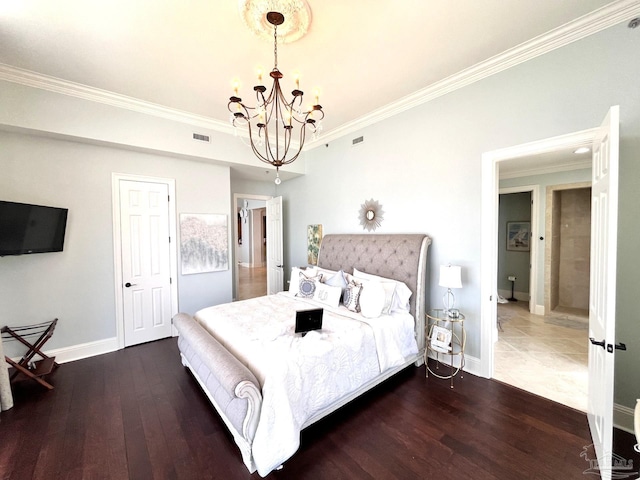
x=450 y=277
x=274 y=117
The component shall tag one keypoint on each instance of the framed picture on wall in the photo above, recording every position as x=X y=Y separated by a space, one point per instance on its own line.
x=203 y=243
x=518 y=236
x=314 y=239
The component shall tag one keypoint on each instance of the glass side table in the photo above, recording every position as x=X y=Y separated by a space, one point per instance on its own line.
x=446 y=339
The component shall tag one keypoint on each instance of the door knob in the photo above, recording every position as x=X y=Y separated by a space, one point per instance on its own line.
x=599 y=344
x=129 y=284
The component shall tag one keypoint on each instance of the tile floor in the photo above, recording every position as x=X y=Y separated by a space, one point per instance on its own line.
x=545 y=355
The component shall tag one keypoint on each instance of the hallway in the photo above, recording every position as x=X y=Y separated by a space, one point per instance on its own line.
x=252 y=282
x=546 y=355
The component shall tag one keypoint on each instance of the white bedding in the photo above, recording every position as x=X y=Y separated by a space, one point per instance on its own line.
x=300 y=376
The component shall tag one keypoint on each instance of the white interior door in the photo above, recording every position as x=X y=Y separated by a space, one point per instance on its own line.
x=602 y=301
x=146 y=266
x=275 y=264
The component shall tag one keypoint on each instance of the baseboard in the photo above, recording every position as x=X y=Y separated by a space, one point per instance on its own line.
x=472 y=365
x=623 y=418
x=84 y=350
x=538 y=310
x=520 y=296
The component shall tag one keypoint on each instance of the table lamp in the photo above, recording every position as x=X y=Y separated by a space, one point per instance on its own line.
x=450 y=277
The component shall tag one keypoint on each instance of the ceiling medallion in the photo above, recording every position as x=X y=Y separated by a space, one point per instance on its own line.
x=371 y=215
x=296 y=12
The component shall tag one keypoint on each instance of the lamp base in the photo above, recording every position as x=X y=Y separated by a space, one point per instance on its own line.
x=449 y=300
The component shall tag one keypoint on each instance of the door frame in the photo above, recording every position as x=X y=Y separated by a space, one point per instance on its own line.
x=489 y=230
x=236 y=197
x=117 y=247
x=533 y=250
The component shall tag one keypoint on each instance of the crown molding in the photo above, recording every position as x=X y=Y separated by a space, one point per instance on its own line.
x=92 y=94
x=582 y=27
x=589 y=24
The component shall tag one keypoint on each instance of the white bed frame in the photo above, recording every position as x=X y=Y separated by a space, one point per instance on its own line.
x=401 y=257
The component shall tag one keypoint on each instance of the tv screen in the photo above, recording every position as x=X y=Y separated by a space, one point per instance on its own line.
x=28 y=228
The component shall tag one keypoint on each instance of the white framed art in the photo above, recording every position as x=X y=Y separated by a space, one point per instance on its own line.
x=204 y=243
x=441 y=339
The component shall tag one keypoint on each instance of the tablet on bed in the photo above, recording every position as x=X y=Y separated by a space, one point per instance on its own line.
x=307 y=320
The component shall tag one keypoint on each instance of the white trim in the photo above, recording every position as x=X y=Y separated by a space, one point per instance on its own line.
x=589 y=24
x=117 y=251
x=84 y=350
x=93 y=94
x=489 y=230
x=594 y=22
x=472 y=365
x=623 y=418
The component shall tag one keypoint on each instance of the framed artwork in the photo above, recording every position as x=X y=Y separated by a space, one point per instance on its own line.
x=314 y=238
x=440 y=339
x=518 y=236
x=204 y=243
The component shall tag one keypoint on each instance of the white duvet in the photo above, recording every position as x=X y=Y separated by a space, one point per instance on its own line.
x=300 y=376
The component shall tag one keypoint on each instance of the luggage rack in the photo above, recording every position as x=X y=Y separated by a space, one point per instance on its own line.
x=35 y=370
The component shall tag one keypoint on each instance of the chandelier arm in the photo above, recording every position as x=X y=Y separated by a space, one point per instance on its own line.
x=255 y=150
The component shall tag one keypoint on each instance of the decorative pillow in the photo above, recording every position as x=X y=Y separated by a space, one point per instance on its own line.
x=401 y=295
x=351 y=296
x=296 y=277
x=372 y=299
x=338 y=280
x=327 y=294
x=389 y=287
x=307 y=285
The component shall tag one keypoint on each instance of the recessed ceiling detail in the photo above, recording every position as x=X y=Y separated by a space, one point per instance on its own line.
x=297 y=16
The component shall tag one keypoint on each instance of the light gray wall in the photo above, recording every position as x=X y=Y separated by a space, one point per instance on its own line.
x=514 y=207
x=424 y=167
x=77 y=285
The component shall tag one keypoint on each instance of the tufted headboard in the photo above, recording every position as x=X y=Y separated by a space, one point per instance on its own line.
x=401 y=257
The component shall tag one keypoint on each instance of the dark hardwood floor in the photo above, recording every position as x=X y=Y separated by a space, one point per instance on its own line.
x=138 y=413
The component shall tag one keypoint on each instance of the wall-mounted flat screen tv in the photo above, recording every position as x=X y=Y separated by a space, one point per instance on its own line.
x=26 y=228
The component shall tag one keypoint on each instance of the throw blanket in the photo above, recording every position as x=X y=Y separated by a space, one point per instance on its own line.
x=299 y=375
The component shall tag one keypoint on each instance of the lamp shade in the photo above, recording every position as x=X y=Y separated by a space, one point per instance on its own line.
x=450 y=276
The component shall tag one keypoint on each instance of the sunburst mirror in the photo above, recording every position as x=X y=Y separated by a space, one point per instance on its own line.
x=371 y=215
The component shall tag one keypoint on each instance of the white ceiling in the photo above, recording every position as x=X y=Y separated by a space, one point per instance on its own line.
x=361 y=55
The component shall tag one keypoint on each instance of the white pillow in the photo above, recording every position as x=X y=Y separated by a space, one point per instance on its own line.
x=327 y=294
x=372 y=299
x=325 y=273
x=389 y=287
x=401 y=296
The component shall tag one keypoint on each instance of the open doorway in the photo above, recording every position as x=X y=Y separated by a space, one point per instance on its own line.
x=250 y=246
x=539 y=349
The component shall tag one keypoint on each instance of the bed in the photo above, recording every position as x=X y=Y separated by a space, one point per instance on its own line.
x=268 y=383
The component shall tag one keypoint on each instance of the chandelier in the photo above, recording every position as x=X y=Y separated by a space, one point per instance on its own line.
x=273 y=122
